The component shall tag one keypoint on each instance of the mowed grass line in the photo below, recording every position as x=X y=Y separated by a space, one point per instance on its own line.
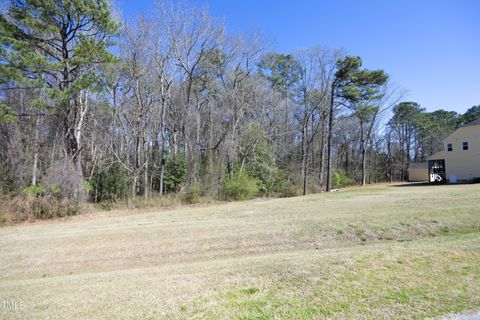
x=413 y=281
x=379 y=252
x=403 y=280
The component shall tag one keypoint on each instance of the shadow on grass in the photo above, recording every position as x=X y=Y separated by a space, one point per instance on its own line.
x=430 y=184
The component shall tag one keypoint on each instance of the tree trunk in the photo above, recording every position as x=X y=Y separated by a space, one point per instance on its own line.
x=134 y=186
x=322 y=158
x=363 y=151
x=72 y=148
x=145 y=180
x=196 y=148
x=285 y=128
x=304 y=158
x=175 y=141
x=329 y=140
x=136 y=167
x=390 y=158
x=162 y=174
x=145 y=167
x=162 y=149
x=35 y=155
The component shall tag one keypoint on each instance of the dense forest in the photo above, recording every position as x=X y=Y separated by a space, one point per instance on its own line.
x=94 y=108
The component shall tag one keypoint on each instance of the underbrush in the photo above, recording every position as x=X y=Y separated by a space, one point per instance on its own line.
x=240 y=187
x=340 y=179
x=156 y=201
x=46 y=202
x=28 y=207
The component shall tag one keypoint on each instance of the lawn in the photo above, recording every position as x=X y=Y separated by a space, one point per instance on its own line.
x=404 y=252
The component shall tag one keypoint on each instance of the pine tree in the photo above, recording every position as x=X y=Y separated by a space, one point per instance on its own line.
x=56 y=46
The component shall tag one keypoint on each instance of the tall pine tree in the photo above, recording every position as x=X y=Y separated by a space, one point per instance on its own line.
x=56 y=46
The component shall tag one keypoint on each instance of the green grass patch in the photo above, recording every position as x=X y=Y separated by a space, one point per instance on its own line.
x=419 y=280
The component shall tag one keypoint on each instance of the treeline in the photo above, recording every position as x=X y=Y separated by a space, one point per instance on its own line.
x=95 y=110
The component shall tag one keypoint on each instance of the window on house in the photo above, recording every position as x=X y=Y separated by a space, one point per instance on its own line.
x=465 y=145
x=449 y=147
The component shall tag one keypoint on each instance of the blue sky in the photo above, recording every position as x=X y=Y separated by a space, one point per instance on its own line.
x=429 y=48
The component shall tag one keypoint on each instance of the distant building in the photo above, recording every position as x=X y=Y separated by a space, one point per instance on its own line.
x=460 y=159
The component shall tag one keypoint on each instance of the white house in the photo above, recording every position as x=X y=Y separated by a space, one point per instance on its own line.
x=460 y=159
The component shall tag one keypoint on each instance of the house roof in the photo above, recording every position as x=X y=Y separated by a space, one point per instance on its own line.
x=473 y=123
x=470 y=124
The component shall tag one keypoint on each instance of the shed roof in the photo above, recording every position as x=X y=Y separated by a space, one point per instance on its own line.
x=418 y=165
x=438 y=156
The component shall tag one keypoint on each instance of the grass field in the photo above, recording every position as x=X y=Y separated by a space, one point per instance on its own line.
x=405 y=252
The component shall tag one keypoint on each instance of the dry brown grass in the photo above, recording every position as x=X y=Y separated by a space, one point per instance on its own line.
x=384 y=251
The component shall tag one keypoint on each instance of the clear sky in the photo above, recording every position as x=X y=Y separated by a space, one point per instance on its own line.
x=431 y=48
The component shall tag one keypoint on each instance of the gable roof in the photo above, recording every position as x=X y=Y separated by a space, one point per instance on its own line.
x=470 y=124
x=473 y=123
